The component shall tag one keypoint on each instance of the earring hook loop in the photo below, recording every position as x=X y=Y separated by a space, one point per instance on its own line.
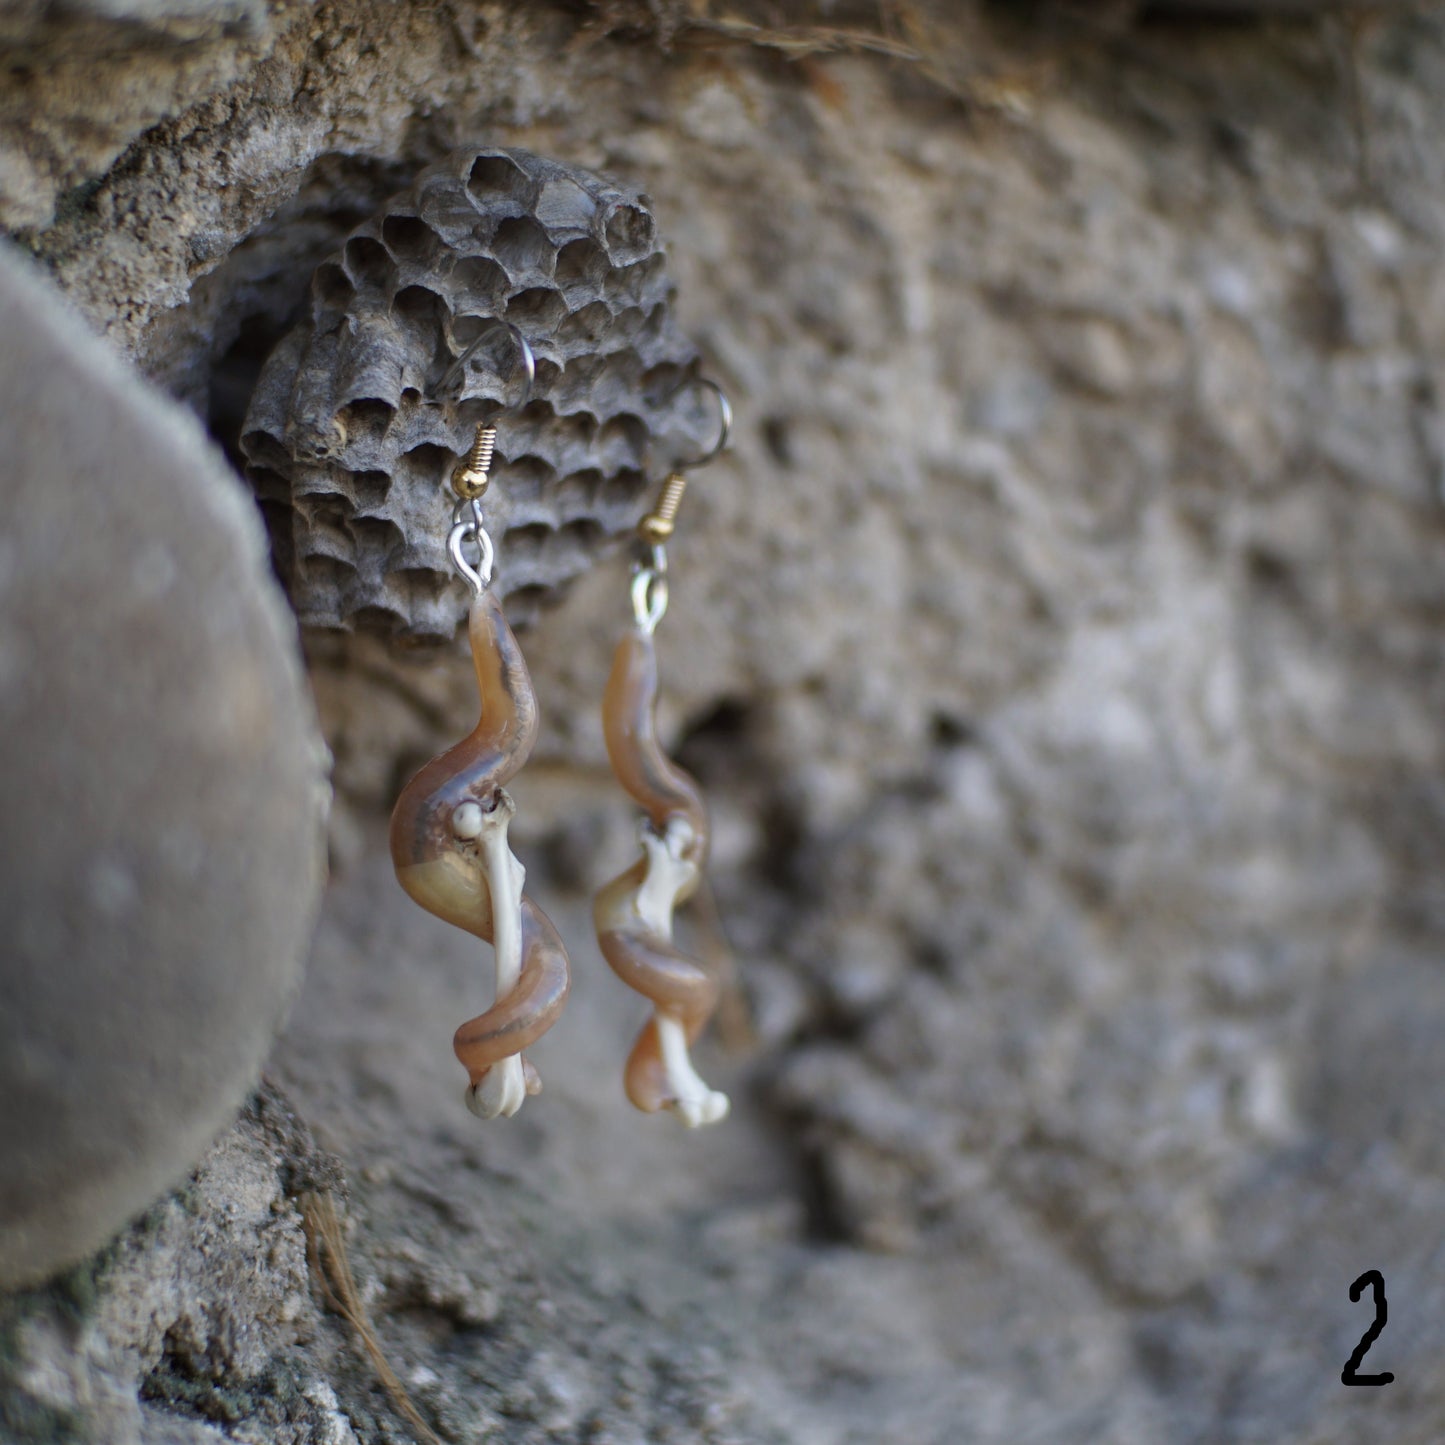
x=725 y=423
x=649 y=590
x=458 y=368
x=467 y=527
x=649 y=573
x=472 y=474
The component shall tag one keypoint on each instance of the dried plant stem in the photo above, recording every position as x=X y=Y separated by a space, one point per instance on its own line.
x=799 y=40
x=326 y=1249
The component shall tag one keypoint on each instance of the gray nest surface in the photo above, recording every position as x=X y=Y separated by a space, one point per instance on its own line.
x=350 y=435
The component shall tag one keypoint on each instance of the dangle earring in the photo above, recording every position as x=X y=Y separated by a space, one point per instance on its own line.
x=633 y=914
x=449 y=826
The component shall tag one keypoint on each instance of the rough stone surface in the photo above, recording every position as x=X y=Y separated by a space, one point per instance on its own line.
x=195 y=1322
x=85 y=77
x=1061 y=648
x=364 y=406
x=161 y=786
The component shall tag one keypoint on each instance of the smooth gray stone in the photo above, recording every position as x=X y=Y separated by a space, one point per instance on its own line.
x=161 y=785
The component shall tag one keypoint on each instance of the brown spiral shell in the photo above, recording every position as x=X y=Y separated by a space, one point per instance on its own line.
x=445 y=876
x=674 y=982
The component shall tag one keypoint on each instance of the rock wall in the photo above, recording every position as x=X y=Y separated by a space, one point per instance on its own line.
x=1060 y=646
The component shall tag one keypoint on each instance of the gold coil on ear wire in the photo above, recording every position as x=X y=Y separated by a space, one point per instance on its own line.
x=657 y=526
x=470 y=475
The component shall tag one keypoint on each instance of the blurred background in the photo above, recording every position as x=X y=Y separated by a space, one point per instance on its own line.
x=1059 y=646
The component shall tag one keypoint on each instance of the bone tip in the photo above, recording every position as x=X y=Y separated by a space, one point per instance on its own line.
x=501 y=1090
x=479 y=1102
x=701 y=1110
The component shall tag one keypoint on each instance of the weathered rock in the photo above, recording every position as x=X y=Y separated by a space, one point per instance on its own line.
x=201 y=1323
x=149 y=58
x=1062 y=650
x=197 y=1318
x=161 y=783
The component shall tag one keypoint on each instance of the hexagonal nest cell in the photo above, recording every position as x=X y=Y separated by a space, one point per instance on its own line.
x=350 y=440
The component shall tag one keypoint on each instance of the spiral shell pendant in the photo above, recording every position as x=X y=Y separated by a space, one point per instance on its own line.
x=633 y=913
x=449 y=847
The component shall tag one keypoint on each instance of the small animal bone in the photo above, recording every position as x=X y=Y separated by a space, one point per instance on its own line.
x=505 y=1086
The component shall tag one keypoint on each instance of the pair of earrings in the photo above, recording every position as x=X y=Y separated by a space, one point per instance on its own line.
x=449 y=827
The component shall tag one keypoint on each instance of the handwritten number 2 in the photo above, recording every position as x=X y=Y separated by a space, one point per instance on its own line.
x=1376 y=1281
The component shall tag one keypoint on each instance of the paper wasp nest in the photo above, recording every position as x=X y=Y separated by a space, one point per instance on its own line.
x=349 y=442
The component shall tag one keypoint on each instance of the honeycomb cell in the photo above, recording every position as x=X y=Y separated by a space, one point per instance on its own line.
x=662 y=379
x=589 y=326
x=333 y=574
x=580 y=265
x=637 y=284
x=410 y=239
x=577 y=496
x=626 y=326
x=526 y=479
x=524 y=249
x=421 y=308
x=270 y=464
x=313 y=481
x=536 y=312
x=622 y=437
x=446 y=207
x=479 y=285
x=367 y=366
x=426 y=463
x=619 y=492
x=376 y=617
x=496 y=175
x=367 y=261
x=331 y=286
x=578 y=537
x=631 y=234
x=366 y=417
x=418 y=425
x=563 y=205
x=375 y=535
x=549 y=377
x=371 y=489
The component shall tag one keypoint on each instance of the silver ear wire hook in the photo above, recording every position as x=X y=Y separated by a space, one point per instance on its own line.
x=657 y=526
x=529 y=362
x=725 y=423
x=472 y=474
x=649 y=576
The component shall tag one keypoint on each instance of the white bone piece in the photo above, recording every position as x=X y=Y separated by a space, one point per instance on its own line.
x=503 y=1089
